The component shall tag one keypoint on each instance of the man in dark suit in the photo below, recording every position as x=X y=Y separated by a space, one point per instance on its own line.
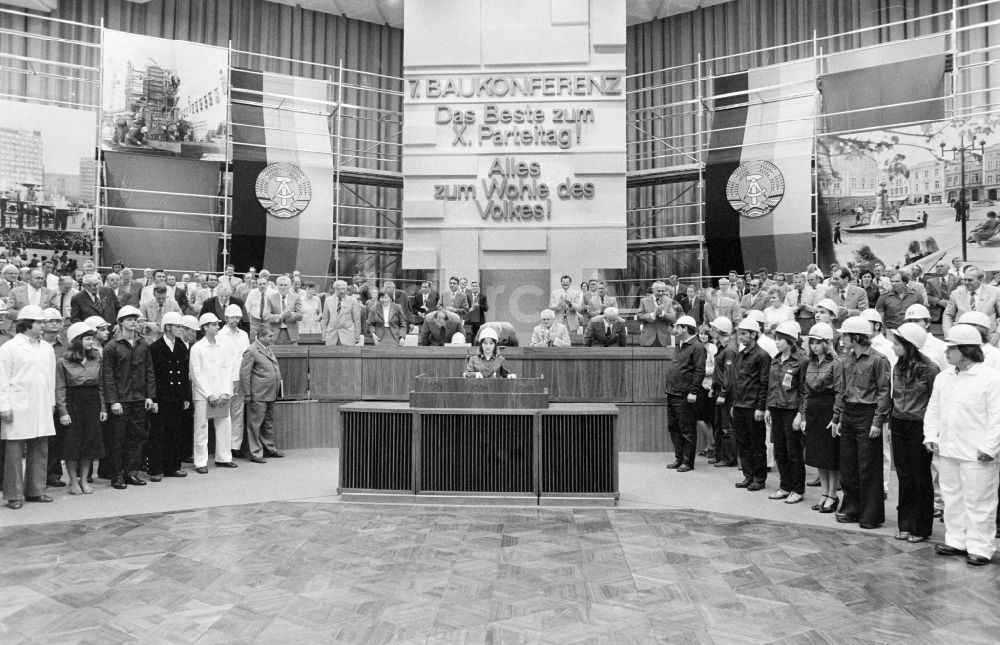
x=607 y=330
x=359 y=289
x=94 y=300
x=223 y=298
x=128 y=291
x=423 y=302
x=477 y=310
x=439 y=328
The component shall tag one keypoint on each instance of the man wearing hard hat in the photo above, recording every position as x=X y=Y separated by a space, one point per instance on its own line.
x=27 y=401
x=685 y=372
x=962 y=429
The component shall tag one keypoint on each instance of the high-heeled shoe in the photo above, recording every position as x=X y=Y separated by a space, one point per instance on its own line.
x=818 y=505
x=832 y=508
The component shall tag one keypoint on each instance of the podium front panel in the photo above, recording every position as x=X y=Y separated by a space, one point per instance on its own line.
x=480 y=453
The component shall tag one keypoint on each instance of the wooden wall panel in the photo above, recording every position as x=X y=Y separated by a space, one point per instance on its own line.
x=335 y=373
x=307 y=424
x=582 y=375
x=650 y=366
x=294 y=363
x=643 y=428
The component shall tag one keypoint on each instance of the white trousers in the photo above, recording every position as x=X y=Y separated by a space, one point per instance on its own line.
x=223 y=436
x=969 y=489
x=236 y=418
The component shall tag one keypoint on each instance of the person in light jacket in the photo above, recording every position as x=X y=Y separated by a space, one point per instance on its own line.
x=260 y=379
x=212 y=385
x=962 y=430
x=27 y=401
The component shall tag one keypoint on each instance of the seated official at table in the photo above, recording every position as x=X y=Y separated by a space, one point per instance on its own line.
x=439 y=328
x=550 y=333
x=607 y=330
x=487 y=363
x=506 y=334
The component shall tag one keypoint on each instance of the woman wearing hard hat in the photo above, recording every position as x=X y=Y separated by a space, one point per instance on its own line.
x=487 y=363
x=962 y=429
x=822 y=375
x=783 y=386
x=859 y=412
x=912 y=382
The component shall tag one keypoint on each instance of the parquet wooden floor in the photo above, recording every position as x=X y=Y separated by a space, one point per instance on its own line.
x=337 y=573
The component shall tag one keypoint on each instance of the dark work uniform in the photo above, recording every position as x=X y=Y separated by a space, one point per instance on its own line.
x=862 y=402
x=911 y=390
x=128 y=380
x=822 y=375
x=685 y=373
x=725 y=448
x=750 y=372
x=784 y=392
x=167 y=436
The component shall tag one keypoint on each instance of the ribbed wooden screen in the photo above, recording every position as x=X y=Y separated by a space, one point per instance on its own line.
x=482 y=453
x=376 y=452
x=577 y=454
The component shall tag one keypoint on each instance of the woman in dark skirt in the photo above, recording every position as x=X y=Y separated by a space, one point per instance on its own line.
x=912 y=384
x=816 y=407
x=80 y=404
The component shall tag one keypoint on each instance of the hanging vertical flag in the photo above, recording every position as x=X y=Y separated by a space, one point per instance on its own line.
x=759 y=169
x=283 y=193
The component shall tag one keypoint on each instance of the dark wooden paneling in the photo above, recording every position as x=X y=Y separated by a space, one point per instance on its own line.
x=643 y=428
x=388 y=375
x=294 y=363
x=307 y=424
x=650 y=365
x=590 y=374
x=335 y=373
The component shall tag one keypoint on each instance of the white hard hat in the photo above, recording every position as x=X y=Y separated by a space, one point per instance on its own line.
x=821 y=331
x=207 y=319
x=96 y=322
x=871 y=315
x=789 y=328
x=917 y=312
x=687 y=320
x=51 y=313
x=233 y=310
x=78 y=329
x=487 y=332
x=459 y=338
x=963 y=335
x=974 y=318
x=172 y=318
x=128 y=310
x=856 y=325
x=829 y=305
x=756 y=315
x=749 y=324
x=31 y=312
x=912 y=333
x=190 y=322
x=723 y=324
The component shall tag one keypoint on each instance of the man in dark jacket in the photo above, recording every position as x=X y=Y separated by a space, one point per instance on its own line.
x=685 y=374
x=607 y=330
x=130 y=392
x=94 y=300
x=748 y=394
x=439 y=328
x=173 y=397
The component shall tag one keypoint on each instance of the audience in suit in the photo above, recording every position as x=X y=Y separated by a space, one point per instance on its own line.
x=153 y=311
x=217 y=304
x=422 y=303
x=94 y=300
x=454 y=300
x=342 y=317
x=972 y=295
x=477 y=310
x=440 y=327
x=549 y=333
x=286 y=328
x=851 y=298
x=657 y=313
x=34 y=292
x=260 y=379
x=387 y=324
x=567 y=303
x=606 y=330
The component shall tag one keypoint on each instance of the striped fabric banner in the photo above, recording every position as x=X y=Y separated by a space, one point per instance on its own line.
x=298 y=134
x=768 y=115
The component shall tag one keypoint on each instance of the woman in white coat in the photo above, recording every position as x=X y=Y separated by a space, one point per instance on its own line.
x=27 y=401
x=962 y=429
x=212 y=385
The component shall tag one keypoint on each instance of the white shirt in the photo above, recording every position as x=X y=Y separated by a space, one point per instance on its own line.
x=211 y=369
x=963 y=415
x=239 y=343
x=34 y=295
x=52 y=282
x=385 y=314
x=992 y=355
x=27 y=387
x=934 y=348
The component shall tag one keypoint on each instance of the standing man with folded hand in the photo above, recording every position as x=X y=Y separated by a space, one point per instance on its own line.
x=260 y=381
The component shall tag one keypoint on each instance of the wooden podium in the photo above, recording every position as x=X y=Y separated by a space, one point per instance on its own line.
x=479 y=441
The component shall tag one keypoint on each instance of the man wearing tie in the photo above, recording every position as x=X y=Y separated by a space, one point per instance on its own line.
x=606 y=330
x=262 y=307
x=341 y=320
x=550 y=333
x=600 y=300
x=567 y=301
x=63 y=299
x=33 y=293
x=973 y=295
x=657 y=312
x=7 y=283
x=851 y=298
x=287 y=327
x=755 y=299
x=454 y=300
x=802 y=300
x=129 y=291
x=153 y=310
x=424 y=301
x=94 y=300
x=477 y=310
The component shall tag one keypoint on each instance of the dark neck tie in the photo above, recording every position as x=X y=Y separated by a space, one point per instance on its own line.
x=843 y=295
x=339 y=303
x=261 y=316
x=972 y=301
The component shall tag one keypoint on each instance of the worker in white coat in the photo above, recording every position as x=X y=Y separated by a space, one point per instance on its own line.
x=27 y=401
x=239 y=343
x=212 y=385
x=962 y=429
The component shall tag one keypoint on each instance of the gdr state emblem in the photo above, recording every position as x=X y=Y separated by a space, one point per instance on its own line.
x=283 y=189
x=755 y=188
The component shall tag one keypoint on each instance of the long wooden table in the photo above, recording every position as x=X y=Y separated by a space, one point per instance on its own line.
x=319 y=379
